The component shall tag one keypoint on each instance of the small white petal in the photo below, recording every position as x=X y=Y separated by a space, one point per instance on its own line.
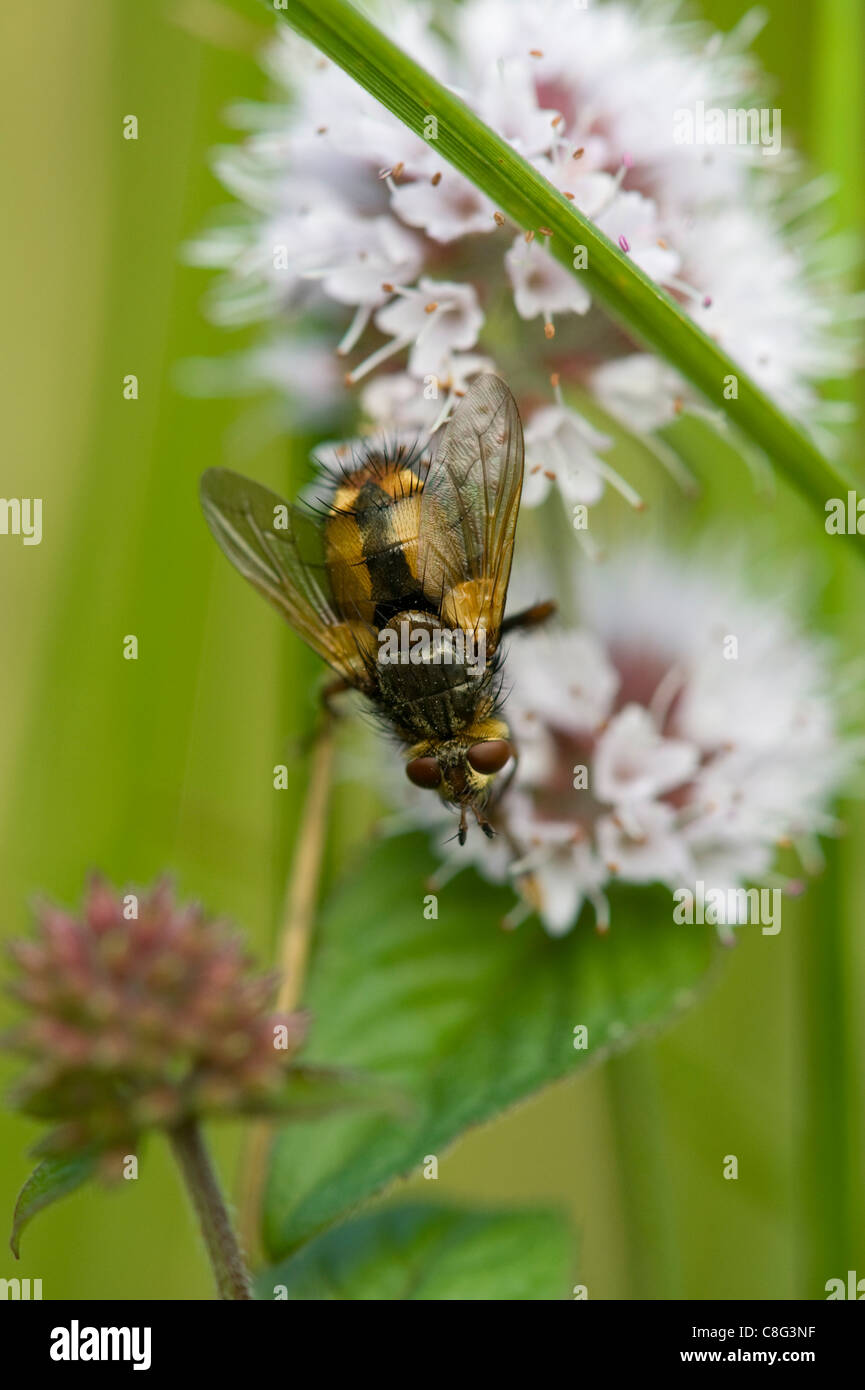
x=441 y=318
x=644 y=846
x=635 y=763
x=451 y=208
x=640 y=391
x=541 y=286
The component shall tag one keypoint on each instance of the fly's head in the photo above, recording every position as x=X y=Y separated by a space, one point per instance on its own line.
x=462 y=770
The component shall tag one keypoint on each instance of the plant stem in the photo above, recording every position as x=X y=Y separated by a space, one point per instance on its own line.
x=301 y=895
x=825 y=1196
x=535 y=205
x=647 y=1195
x=202 y=1184
x=301 y=892
x=829 y=1139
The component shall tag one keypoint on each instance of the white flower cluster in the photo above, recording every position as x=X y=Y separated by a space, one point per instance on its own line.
x=351 y=214
x=683 y=733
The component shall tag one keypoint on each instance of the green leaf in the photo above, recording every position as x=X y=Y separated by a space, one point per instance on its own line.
x=430 y=1253
x=311 y=1092
x=525 y=196
x=54 y=1178
x=463 y=1018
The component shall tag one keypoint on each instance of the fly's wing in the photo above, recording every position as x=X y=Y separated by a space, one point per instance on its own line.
x=469 y=509
x=279 y=549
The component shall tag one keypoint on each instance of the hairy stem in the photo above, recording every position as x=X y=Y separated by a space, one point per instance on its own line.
x=202 y=1184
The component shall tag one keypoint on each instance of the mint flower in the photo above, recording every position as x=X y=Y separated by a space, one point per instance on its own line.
x=684 y=732
x=357 y=221
x=142 y=1013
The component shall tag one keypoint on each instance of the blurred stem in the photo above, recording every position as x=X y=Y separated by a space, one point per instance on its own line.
x=301 y=893
x=830 y=1194
x=839 y=104
x=301 y=897
x=647 y=1198
x=202 y=1184
x=826 y=1183
x=522 y=194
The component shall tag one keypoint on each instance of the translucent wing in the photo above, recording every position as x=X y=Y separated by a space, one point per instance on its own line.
x=279 y=549
x=469 y=508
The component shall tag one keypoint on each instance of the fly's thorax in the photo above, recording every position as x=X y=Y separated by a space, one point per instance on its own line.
x=433 y=682
x=420 y=639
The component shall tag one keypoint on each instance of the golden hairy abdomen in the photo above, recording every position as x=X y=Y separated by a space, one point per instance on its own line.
x=371 y=541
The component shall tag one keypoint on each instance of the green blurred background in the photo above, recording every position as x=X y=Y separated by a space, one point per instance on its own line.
x=166 y=761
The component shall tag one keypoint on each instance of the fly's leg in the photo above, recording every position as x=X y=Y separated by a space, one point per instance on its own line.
x=527 y=883
x=529 y=617
x=329 y=713
x=326 y=716
x=335 y=687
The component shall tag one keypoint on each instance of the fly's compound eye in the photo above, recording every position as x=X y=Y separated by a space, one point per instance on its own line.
x=424 y=772
x=490 y=756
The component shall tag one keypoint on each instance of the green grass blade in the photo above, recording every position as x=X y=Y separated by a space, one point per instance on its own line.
x=831 y=1205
